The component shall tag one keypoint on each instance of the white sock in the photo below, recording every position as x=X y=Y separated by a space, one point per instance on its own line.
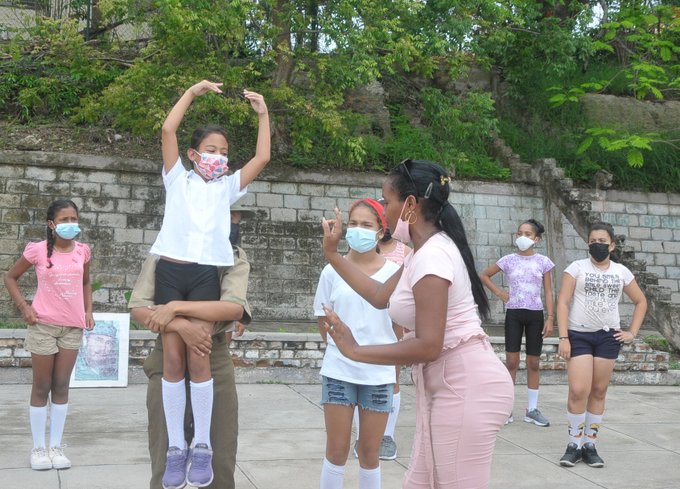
x=369 y=478
x=356 y=419
x=576 y=424
x=38 y=418
x=201 y=405
x=332 y=476
x=57 y=423
x=394 y=414
x=592 y=426
x=174 y=405
x=532 y=399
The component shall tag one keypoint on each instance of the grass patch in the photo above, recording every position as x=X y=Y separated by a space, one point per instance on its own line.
x=658 y=343
x=5 y=324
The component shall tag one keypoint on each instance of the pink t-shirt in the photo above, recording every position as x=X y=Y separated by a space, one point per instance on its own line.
x=397 y=254
x=440 y=257
x=59 y=298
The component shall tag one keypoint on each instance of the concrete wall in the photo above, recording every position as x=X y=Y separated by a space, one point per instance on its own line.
x=296 y=358
x=121 y=203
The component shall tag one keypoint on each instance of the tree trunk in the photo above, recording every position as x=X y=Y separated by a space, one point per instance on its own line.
x=285 y=62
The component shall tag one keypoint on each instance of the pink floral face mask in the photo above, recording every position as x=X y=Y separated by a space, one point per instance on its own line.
x=212 y=166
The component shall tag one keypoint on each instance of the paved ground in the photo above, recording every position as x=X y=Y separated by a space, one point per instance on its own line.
x=282 y=440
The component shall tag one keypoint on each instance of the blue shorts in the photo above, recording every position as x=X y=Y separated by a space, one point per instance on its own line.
x=601 y=344
x=372 y=397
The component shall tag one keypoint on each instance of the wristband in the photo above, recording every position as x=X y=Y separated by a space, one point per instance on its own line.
x=563 y=337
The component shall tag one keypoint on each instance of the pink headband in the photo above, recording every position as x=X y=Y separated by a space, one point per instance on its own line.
x=377 y=206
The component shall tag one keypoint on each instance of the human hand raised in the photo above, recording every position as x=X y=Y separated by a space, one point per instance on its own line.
x=340 y=332
x=256 y=101
x=332 y=232
x=204 y=87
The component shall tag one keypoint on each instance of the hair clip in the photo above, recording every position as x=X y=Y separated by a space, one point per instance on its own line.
x=443 y=179
x=428 y=191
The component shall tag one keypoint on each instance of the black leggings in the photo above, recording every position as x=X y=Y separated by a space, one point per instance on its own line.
x=185 y=282
x=524 y=321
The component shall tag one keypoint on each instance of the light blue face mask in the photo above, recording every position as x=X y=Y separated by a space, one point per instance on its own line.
x=361 y=240
x=67 y=230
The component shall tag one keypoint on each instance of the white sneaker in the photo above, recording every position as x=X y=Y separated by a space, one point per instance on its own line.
x=40 y=460
x=59 y=460
x=510 y=419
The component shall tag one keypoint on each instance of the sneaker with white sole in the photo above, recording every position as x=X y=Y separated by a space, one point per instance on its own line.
x=571 y=456
x=59 y=459
x=175 y=475
x=40 y=459
x=388 y=448
x=200 y=473
x=590 y=457
x=536 y=417
x=510 y=419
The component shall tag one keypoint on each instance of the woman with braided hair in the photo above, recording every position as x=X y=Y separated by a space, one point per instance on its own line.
x=56 y=317
x=464 y=394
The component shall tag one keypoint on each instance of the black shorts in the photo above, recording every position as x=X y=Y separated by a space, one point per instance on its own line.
x=520 y=322
x=185 y=282
x=601 y=344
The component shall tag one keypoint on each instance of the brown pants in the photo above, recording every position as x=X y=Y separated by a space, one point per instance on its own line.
x=224 y=426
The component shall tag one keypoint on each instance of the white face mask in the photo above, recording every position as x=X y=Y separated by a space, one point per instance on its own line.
x=524 y=243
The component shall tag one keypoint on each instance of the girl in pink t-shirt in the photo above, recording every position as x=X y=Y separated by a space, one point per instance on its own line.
x=528 y=273
x=60 y=310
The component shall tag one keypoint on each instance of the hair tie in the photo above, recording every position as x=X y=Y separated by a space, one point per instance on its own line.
x=444 y=179
x=377 y=207
x=441 y=209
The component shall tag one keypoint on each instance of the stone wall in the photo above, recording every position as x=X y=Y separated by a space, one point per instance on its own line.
x=296 y=358
x=630 y=114
x=121 y=203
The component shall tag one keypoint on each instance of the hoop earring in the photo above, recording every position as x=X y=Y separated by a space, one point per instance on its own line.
x=410 y=214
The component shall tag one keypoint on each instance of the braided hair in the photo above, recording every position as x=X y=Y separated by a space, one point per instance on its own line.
x=55 y=206
x=428 y=181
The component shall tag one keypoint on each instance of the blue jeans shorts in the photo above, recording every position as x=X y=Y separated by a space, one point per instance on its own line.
x=376 y=398
x=601 y=344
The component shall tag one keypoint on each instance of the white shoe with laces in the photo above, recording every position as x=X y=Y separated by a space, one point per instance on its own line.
x=59 y=460
x=40 y=459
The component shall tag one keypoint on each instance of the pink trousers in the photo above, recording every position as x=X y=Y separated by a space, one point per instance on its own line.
x=463 y=399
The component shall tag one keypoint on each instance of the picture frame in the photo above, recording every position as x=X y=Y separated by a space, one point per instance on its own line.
x=103 y=355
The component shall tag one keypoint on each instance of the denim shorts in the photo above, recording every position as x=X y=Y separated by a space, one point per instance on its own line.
x=601 y=343
x=372 y=397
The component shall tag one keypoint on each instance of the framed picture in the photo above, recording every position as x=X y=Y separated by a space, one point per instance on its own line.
x=103 y=356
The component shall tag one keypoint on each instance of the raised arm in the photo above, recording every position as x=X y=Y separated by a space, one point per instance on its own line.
x=169 y=147
x=375 y=293
x=263 y=149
